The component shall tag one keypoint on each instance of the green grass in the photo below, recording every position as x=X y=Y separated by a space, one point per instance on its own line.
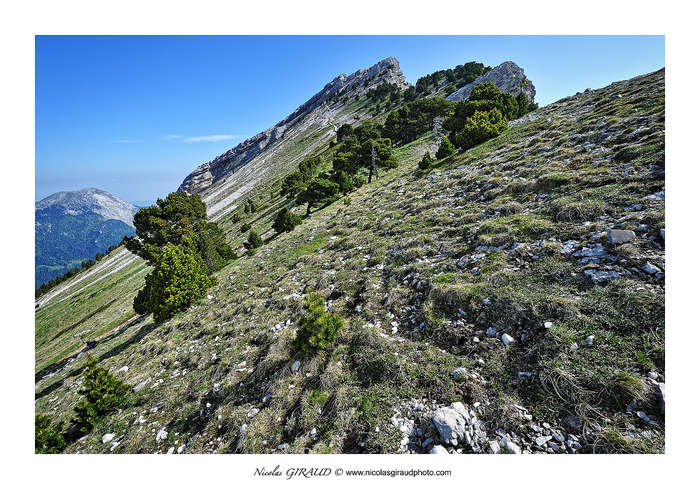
x=391 y=256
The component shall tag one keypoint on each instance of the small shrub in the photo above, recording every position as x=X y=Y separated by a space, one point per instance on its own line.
x=102 y=394
x=318 y=329
x=446 y=149
x=481 y=127
x=245 y=228
x=286 y=221
x=47 y=439
x=425 y=163
x=254 y=241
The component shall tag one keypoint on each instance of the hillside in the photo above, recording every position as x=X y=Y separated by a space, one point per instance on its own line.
x=509 y=299
x=72 y=227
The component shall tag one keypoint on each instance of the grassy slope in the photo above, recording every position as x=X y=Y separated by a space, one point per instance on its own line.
x=403 y=250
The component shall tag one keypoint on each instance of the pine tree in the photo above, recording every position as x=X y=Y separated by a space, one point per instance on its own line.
x=254 y=240
x=318 y=329
x=47 y=439
x=425 y=162
x=178 y=279
x=102 y=393
x=285 y=221
x=446 y=149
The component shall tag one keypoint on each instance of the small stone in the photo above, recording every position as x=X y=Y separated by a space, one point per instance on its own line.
x=661 y=394
x=510 y=446
x=650 y=269
x=358 y=309
x=283 y=446
x=108 y=437
x=459 y=373
x=548 y=325
x=162 y=435
x=599 y=276
x=541 y=440
x=492 y=332
x=558 y=436
x=295 y=366
x=507 y=339
x=475 y=339
x=553 y=446
x=439 y=450
x=657 y=196
x=170 y=450
x=589 y=339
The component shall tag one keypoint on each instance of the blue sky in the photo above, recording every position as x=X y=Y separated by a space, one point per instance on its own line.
x=133 y=115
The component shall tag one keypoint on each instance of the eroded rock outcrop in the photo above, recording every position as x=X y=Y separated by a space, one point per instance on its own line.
x=313 y=110
x=507 y=76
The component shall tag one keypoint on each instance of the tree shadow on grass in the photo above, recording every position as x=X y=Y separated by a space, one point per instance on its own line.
x=58 y=366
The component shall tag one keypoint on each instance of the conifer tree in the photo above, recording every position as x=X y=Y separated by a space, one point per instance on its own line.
x=179 y=278
x=425 y=162
x=102 y=393
x=318 y=329
x=446 y=149
x=285 y=221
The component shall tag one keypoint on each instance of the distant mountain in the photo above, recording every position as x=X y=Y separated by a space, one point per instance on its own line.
x=72 y=227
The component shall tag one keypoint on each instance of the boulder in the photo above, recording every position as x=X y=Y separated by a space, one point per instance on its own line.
x=452 y=423
x=619 y=236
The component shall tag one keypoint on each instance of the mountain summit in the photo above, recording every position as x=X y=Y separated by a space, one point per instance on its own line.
x=72 y=227
x=90 y=200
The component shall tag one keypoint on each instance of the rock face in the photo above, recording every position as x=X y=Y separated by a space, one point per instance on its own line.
x=311 y=111
x=507 y=76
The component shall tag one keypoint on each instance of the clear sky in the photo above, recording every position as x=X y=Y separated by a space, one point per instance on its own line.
x=134 y=115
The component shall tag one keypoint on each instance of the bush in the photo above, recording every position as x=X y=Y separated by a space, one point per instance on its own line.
x=424 y=164
x=446 y=149
x=318 y=329
x=102 y=394
x=245 y=228
x=254 y=241
x=178 y=279
x=47 y=439
x=480 y=128
x=286 y=221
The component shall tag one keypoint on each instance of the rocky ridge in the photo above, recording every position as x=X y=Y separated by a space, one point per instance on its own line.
x=319 y=109
x=507 y=76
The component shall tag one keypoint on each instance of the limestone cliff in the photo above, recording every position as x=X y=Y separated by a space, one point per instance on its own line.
x=507 y=76
x=318 y=109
